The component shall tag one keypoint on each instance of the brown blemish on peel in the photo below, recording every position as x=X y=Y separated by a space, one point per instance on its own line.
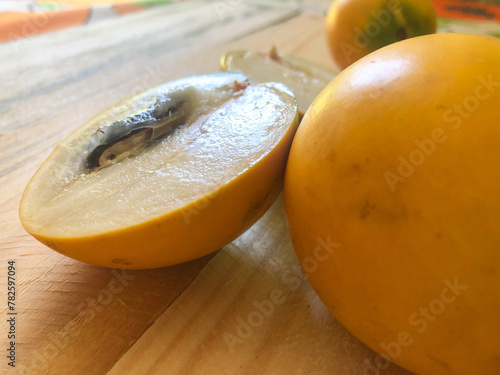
x=402 y=34
x=54 y=246
x=255 y=208
x=120 y=261
x=366 y=210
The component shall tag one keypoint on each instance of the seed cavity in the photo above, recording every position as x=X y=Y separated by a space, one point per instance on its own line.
x=112 y=143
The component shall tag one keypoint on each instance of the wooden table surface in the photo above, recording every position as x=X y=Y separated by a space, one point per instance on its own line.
x=209 y=316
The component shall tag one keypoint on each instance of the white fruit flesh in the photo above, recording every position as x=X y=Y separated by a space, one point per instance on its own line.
x=305 y=78
x=218 y=143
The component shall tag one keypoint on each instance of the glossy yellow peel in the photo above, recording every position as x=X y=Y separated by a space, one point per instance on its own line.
x=397 y=162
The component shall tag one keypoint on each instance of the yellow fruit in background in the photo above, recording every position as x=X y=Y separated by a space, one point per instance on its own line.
x=166 y=176
x=355 y=28
x=397 y=160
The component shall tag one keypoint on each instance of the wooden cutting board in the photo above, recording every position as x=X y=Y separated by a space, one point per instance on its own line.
x=246 y=309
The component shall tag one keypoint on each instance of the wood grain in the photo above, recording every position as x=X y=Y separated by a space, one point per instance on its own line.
x=250 y=311
x=192 y=318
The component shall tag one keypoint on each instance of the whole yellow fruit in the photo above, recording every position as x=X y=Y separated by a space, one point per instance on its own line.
x=397 y=160
x=355 y=28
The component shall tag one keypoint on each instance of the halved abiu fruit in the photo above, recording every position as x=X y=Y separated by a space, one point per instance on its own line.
x=305 y=78
x=166 y=176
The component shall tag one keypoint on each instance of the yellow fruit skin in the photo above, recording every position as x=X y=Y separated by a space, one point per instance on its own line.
x=404 y=241
x=193 y=231
x=355 y=28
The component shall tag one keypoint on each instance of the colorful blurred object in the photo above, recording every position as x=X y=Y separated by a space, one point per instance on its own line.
x=22 y=19
x=468 y=10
